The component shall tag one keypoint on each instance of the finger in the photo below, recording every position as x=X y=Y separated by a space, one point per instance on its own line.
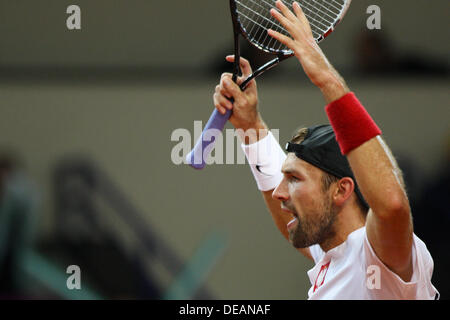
x=224 y=101
x=232 y=88
x=218 y=106
x=224 y=92
x=280 y=37
x=244 y=64
x=281 y=19
x=226 y=75
x=286 y=11
x=222 y=110
x=300 y=14
x=246 y=71
x=250 y=84
x=217 y=89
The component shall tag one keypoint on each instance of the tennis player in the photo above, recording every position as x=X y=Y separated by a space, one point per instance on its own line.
x=338 y=195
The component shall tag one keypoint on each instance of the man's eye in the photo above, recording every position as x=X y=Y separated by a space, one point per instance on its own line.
x=293 y=178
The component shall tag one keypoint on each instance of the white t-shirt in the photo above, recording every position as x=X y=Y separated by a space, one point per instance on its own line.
x=352 y=270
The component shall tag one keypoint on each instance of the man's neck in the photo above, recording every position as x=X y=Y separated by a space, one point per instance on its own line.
x=347 y=222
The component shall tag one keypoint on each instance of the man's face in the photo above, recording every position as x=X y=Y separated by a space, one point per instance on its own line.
x=302 y=195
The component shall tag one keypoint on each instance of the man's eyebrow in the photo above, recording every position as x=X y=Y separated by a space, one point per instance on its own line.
x=291 y=171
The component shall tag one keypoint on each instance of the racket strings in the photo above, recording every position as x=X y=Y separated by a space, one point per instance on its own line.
x=317 y=11
x=255 y=19
x=328 y=15
x=327 y=12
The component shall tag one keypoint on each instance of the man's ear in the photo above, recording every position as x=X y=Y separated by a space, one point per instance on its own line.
x=343 y=190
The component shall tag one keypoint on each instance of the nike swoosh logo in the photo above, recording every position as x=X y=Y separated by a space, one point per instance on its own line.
x=258 y=167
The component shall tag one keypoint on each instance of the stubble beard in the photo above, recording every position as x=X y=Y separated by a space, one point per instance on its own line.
x=316 y=230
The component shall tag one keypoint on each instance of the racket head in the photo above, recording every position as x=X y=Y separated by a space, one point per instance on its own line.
x=253 y=19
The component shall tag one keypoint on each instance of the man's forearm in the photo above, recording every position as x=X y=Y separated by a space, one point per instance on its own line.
x=333 y=86
x=254 y=132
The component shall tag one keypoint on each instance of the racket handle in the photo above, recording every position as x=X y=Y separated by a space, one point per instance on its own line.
x=196 y=158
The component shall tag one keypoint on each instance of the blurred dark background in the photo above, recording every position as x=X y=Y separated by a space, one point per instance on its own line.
x=86 y=118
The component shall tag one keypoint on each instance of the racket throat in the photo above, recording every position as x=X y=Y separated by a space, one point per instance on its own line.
x=237 y=58
x=269 y=65
x=237 y=50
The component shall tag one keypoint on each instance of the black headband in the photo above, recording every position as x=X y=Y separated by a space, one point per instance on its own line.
x=321 y=149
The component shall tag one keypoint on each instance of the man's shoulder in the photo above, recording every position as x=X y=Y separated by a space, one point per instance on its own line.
x=352 y=245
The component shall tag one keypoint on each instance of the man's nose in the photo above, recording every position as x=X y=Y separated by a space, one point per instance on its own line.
x=281 y=193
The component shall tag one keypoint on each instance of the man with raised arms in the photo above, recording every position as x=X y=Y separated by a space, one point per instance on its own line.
x=338 y=196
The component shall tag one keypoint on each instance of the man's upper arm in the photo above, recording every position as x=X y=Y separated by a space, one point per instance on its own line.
x=391 y=240
x=389 y=223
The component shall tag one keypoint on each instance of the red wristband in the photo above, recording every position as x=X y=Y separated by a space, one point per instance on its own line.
x=351 y=122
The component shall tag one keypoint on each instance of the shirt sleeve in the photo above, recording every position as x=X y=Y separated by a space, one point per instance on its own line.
x=382 y=283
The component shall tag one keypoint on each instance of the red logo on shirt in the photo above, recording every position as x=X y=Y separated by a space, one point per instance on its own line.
x=321 y=276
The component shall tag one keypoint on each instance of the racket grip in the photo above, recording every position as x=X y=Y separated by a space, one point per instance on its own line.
x=196 y=158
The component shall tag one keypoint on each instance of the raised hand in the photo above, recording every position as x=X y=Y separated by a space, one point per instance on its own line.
x=245 y=106
x=307 y=51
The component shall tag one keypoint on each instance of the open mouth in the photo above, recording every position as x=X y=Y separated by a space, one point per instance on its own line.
x=284 y=209
x=292 y=224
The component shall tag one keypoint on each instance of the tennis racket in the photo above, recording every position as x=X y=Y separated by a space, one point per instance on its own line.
x=252 y=19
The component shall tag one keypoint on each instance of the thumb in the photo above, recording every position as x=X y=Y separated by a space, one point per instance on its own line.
x=232 y=88
x=244 y=64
